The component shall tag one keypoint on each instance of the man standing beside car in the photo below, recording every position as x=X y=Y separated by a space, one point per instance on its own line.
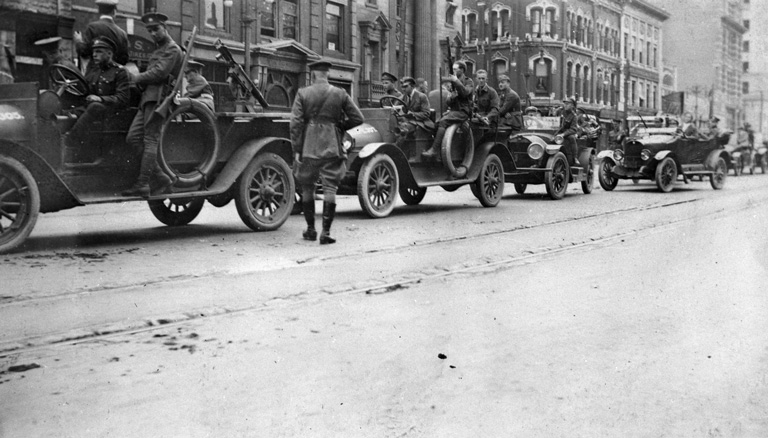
x=144 y=133
x=103 y=27
x=320 y=115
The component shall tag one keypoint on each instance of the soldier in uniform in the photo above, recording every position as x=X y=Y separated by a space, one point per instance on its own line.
x=320 y=115
x=389 y=80
x=486 y=99
x=49 y=49
x=459 y=105
x=510 y=113
x=109 y=91
x=415 y=112
x=569 y=127
x=103 y=27
x=144 y=133
x=198 y=87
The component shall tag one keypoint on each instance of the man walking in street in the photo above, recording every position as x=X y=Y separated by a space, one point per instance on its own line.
x=144 y=133
x=510 y=113
x=320 y=115
x=103 y=27
x=459 y=104
x=109 y=91
x=486 y=100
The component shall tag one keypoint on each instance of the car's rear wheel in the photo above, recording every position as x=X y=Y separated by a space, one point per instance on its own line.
x=607 y=181
x=176 y=212
x=412 y=195
x=378 y=186
x=588 y=184
x=556 y=180
x=490 y=183
x=666 y=174
x=520 y=188
x=265 y=193
x=19 y=203
x=450 y=188
x=717 y=179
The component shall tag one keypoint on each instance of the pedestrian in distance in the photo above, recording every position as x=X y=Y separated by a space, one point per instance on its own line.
x=105 y=26
x=198 y=87
x=108 y=91
x=144 y=133
x=510 y=111
x=319 y=116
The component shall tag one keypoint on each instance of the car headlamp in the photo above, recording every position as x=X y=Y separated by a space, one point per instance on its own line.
x=348 y=142
x=645 y=154
x=535 y=151
x=618 y=154
x=559 y=139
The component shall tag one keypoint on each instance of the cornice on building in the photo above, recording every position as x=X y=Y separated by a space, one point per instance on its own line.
x=648 y=8
x=733 y=24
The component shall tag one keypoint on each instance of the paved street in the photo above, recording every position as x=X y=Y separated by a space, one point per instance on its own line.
x=629 y=313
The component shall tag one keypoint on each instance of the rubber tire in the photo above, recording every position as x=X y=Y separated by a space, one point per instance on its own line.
x=588 y=185
x=411 y=195
x=666 y=174
x=469 y=151
x=378 y=199
x=717 y=179
x=204 y=169
x=764 y=164
x=18 y=186
x=520 y=188
x=176 y=212
x=607 y=182
x=556 y=181
x=490 y=183
x=221 y=200
x=266 y=172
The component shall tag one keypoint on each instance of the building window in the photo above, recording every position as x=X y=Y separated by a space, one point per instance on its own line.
x=746 y=24
x=745 y=87
x=450 y=11
x=371 y=2
x=655 y=54
x=290 y=13
x=745 y=47
x=399 y=8
x=470 y=27
x=268 y=19
x=634 y=44
x=745 y=66
x=543 y=67
x=334 y=25
x=536 y=23
x=216 y=16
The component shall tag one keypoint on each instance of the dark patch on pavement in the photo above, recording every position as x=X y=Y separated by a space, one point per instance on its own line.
x=190 y=348
x=115 y=359
x=22 y=368
x=442 y=356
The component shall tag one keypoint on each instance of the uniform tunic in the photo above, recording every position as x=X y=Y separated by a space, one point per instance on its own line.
x=111 y=83
x=199 y=89
x=487 y=102
x=104 y=27
x=510 y=113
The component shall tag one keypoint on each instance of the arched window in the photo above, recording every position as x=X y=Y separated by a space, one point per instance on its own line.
x=536 y=22
x=469 y=25
x=569 y=79
x=543 y=74
x=599 y=86
x=587 y=84
x=549 y=22
x=578 y=85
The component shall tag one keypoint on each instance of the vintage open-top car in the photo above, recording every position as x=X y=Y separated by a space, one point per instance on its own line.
x=663 y=153
x=379 y=168
x=216 y=157
x=538 y=157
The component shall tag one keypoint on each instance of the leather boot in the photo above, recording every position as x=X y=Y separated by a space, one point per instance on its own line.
x=308 y=206
x=329 y=210
x=163 y=183
x=141 y=187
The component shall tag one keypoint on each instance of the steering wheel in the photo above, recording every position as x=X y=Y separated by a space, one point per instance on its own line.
x=67 y=79
x=391 y=100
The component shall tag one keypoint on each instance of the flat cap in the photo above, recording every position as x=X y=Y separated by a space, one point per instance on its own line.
x=107 y=2
x=386 y=76
x=409 y=80
x=504 y=78
x=570 y=100
x=320 y=66
x=154 y=19
x=43 y=43
x=194 y=64
x=103 y=42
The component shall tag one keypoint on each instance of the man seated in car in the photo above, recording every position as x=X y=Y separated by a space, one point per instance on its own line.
x=109 y=91
x=688 y=128
x=198 y=87
x=416 y=111
x=486 y=100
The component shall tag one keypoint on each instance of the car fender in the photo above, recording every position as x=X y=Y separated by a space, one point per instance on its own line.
x=762 y=151
x=713 y=156
x=370 y=149
x=605 y=154
x=662 y=154
x=481 y=153
x=240 y=159
x=401 y=161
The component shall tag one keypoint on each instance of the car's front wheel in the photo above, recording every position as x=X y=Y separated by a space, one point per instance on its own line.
x=19 y=203
x=176 y=212
x=265 y=193
x=666 y=174
x=607 y=181
x=717 y=179
x=556 y=179
x=588 y=183
x=490 y=184
x=378 y=186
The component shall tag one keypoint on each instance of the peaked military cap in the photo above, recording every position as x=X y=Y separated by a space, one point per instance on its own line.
x=48 y=42
x=408 y=80
x=504 y=78
x=154 y=19
x=192 y=64
x=388 y=76
x=107 y=2
x=320 y=66
x=570 y=100
x=103 y=42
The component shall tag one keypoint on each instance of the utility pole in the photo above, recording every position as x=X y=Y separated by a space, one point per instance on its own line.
x=696 y=90
x=404 y=24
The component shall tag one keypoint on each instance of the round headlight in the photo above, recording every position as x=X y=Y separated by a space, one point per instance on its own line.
x=618 y=154
x=645 y=154
x=348 y=142
x=535 y=151
x=559 y=139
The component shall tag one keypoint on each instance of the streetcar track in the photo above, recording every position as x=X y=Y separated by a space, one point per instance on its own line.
x=480 y=266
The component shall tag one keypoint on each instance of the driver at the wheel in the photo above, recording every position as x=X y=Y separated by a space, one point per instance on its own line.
x=459 y=105
x=416 y=110
x=109 y=91
x=49 y=49
x=569 y=127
